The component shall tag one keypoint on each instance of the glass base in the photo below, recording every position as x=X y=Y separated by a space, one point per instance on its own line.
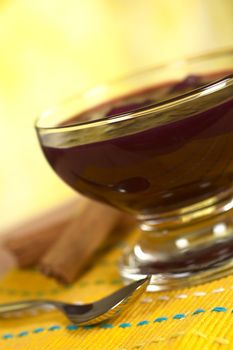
x=179 y=251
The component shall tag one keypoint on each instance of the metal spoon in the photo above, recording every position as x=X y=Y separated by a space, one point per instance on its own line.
x=87 y=314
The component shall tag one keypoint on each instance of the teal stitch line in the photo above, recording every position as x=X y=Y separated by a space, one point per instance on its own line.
x=178 y=316
x=160 y=319
x=7 y=336
x=72 y=327
x=125 y=325
x=109 y=326
x=54 y=328
x=38 y=330
x=198 y=311
x=106 y=325
x=142 y=323
x=23 y=334
x=55 y=290
x=219 y=309
x=89 y=326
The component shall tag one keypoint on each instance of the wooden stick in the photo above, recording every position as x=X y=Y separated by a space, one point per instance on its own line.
x=70 y=254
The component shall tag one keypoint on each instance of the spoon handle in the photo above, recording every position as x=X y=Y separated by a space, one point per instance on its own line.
x=23 y=305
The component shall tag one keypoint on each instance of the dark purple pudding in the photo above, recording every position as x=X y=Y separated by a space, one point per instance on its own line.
x=158 y=169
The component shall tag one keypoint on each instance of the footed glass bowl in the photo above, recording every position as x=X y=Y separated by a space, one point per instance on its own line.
x=158 y=145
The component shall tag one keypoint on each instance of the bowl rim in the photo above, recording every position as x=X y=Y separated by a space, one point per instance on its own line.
x=156 y=107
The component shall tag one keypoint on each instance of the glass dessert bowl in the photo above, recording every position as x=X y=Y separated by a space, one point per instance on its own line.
x=158 y=145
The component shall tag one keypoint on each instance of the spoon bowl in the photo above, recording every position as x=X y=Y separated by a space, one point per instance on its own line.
x=87 y=314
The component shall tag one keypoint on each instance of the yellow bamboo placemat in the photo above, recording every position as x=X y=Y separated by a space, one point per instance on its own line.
x=195 y=318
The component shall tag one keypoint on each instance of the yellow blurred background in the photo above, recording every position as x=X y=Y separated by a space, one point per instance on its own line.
x=50 y=49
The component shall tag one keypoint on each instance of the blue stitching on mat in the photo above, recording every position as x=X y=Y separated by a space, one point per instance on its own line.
x=23 y=334
x=41 y=293
x=219 y=309
x=106 y=325
x=88 y=326
x=125 y=325
x=7 y=336
x=38 y=330
x=179 y=316
x=160 y=319
x=73 y=327
x=142 y=323
x=54 y=328
x=198 y=311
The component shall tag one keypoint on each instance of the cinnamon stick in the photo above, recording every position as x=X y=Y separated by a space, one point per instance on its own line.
x=7 y=261
x=29 y=241
x=71 y=252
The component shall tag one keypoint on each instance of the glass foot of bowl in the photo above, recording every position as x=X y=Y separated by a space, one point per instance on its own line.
x=183 y=250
